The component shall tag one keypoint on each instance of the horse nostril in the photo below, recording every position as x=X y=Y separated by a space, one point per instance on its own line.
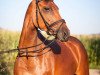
x=66 y=35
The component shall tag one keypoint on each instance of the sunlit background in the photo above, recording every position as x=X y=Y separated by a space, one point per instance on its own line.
x=82 y=16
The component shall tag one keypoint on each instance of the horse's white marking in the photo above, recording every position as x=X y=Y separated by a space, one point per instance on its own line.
x=44 y=33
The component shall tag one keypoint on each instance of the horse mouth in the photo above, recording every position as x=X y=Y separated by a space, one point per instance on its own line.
x=64 y=37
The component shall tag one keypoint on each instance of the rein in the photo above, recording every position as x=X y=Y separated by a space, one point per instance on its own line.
x=20 y=52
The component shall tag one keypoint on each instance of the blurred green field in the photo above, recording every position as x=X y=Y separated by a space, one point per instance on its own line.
x=10 y=39
x=92 y=45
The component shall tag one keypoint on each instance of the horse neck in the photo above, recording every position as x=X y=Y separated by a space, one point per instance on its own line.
x=28 y=38
x=29 y=34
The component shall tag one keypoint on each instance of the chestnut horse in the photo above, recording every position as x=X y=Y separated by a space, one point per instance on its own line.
x=46 y=47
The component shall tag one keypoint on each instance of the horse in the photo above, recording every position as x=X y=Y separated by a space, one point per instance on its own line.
x=46 y=46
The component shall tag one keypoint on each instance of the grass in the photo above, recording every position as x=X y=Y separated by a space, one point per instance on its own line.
x=8 y=40
x=92 y=45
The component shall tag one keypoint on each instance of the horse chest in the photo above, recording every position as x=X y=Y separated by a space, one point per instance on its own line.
x=51 y=64
x=41 y=66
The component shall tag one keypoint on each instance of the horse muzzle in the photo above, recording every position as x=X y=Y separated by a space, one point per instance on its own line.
x=63 y=34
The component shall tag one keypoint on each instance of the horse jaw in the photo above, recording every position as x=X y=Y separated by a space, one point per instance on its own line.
x=44 y=33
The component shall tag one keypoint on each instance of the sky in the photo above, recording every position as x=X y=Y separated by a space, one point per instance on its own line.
x=82 y=16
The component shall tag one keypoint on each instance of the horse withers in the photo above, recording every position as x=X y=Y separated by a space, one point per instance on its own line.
x=46 y=47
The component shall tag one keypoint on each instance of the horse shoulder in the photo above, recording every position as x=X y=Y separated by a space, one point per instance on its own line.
x=80 y=53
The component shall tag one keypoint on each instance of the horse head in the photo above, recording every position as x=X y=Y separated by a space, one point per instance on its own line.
x=46 y=18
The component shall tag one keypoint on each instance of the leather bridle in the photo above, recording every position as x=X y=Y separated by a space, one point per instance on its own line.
x=23 y=52
x=50 y=30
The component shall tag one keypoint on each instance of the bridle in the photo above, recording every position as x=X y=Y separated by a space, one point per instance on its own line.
x=48 y=26
x=23 y=52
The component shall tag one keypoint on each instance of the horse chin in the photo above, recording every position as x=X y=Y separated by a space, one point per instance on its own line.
x=63 y=40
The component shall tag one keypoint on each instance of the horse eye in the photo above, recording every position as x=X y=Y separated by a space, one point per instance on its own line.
x=47 y=8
